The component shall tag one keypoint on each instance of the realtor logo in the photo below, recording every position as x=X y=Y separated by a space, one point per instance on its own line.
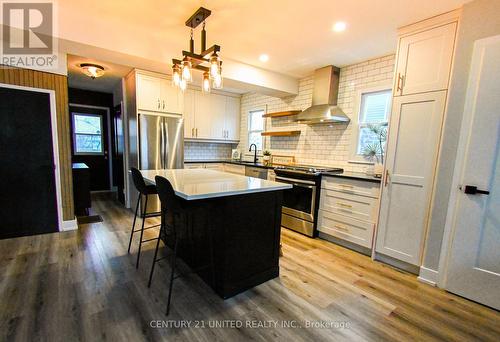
x=28 y=34
x=27 y=28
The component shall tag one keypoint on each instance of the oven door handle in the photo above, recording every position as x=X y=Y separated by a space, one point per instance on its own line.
x=294 y=182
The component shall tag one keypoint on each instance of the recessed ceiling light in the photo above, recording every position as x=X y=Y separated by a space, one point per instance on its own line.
x=263 y=57
x=339 y=26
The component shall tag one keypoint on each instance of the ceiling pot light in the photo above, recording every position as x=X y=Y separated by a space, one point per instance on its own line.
x=92 y=70
x=339 y=26
x=263 y=58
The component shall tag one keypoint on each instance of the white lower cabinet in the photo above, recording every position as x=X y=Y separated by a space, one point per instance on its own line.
x=348 y=209
x=236 y=169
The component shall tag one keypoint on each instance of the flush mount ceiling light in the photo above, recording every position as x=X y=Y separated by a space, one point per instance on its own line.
x=207 y=61
x=263 y=58
x=92 y=70
x=339 y=26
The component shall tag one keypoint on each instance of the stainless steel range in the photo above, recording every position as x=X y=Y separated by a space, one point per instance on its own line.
x=300 y=212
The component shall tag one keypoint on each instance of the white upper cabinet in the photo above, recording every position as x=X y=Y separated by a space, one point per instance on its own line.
x=148 y=93
x=232 y=118
x=211 y=116
x=189 y=127
x=202 y=116
x=158 y=95
x=171 y=98
x=218 y=115
x=424 y=60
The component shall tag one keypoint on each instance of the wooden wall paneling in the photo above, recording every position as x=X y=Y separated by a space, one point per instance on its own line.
x=58 y=83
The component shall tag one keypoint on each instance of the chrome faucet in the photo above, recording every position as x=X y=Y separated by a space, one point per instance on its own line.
x=255 y=152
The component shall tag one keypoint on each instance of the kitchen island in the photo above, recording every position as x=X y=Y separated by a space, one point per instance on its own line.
x=232 y=219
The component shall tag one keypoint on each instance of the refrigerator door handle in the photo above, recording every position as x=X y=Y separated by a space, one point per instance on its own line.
x=167 y=146
x=162 y=142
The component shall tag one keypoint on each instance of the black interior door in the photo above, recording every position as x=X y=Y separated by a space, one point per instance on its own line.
x=28 y=203
x=118 y=150
x=89 y=136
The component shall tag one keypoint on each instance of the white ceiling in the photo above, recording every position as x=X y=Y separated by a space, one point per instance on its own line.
x=113 y=73
x=296 y=34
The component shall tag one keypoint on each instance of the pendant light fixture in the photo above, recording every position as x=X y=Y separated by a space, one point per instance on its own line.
x=208 y=61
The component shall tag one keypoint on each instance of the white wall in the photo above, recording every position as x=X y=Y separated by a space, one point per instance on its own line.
x=480 y=19
x=318 y=144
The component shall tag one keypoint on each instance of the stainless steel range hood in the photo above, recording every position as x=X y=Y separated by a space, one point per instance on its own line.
x=324 y=102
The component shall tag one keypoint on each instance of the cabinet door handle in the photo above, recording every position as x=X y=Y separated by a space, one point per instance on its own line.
x=196 y=132
x=158 y=103
x=163 y=104
x=400 y=84
x=192 y=132
x=386 y=181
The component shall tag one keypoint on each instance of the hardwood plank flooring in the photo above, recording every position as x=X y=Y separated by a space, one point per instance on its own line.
x=82 y=285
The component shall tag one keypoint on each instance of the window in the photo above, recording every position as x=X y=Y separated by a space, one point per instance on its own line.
x=255 y=127
x=87 y=134
x=374 y=109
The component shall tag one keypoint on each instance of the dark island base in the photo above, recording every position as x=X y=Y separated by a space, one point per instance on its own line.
x=245 y=235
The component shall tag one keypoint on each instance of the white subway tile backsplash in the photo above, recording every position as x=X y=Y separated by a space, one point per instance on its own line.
x=322 y=144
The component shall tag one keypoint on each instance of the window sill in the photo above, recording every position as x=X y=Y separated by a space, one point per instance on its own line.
x=360 y=162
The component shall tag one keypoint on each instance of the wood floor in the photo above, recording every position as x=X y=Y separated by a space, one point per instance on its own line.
x=82 y=285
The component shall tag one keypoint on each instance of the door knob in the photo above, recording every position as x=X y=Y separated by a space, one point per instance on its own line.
x=473 y=190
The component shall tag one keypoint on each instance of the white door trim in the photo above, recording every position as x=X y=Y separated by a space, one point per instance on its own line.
x=55 y=146
x=467 y=120
x=110 y=151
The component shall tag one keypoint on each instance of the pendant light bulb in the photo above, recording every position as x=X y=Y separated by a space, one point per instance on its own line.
x=186 y=71
x=214 y=65
x=176 y=75
x=206 y=83
x=217 y=84
x=183 y=85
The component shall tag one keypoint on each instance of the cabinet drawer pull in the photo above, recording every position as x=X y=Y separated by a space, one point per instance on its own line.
x=341 y=227
x=348 y=186
x=192 y=132
x=344 y=205
x=158 y=103
x=196 y=132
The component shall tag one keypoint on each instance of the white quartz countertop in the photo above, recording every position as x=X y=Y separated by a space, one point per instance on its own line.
x=193 y=184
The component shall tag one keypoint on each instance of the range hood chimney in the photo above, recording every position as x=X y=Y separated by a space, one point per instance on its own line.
x=324 y=102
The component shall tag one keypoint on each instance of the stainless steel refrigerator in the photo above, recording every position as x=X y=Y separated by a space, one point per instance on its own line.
x=161 y=146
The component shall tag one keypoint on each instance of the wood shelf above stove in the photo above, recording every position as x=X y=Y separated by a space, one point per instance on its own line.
x=280 y=114
x=280 y=133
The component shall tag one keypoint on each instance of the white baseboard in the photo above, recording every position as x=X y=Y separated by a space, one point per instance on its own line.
x=69 y=225
x=428 y=276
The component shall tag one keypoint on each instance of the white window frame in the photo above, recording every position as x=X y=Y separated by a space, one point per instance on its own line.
x=256 y=109
x=354 y=157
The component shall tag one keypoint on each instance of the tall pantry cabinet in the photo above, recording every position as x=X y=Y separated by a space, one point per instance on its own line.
x=423 y=65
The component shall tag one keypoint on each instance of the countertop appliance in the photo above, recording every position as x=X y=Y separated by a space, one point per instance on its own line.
x=161 y=146
x=300 y=210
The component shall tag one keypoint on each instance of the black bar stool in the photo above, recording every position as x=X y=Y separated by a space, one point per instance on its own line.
x=144 y=190
x=173 y=226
